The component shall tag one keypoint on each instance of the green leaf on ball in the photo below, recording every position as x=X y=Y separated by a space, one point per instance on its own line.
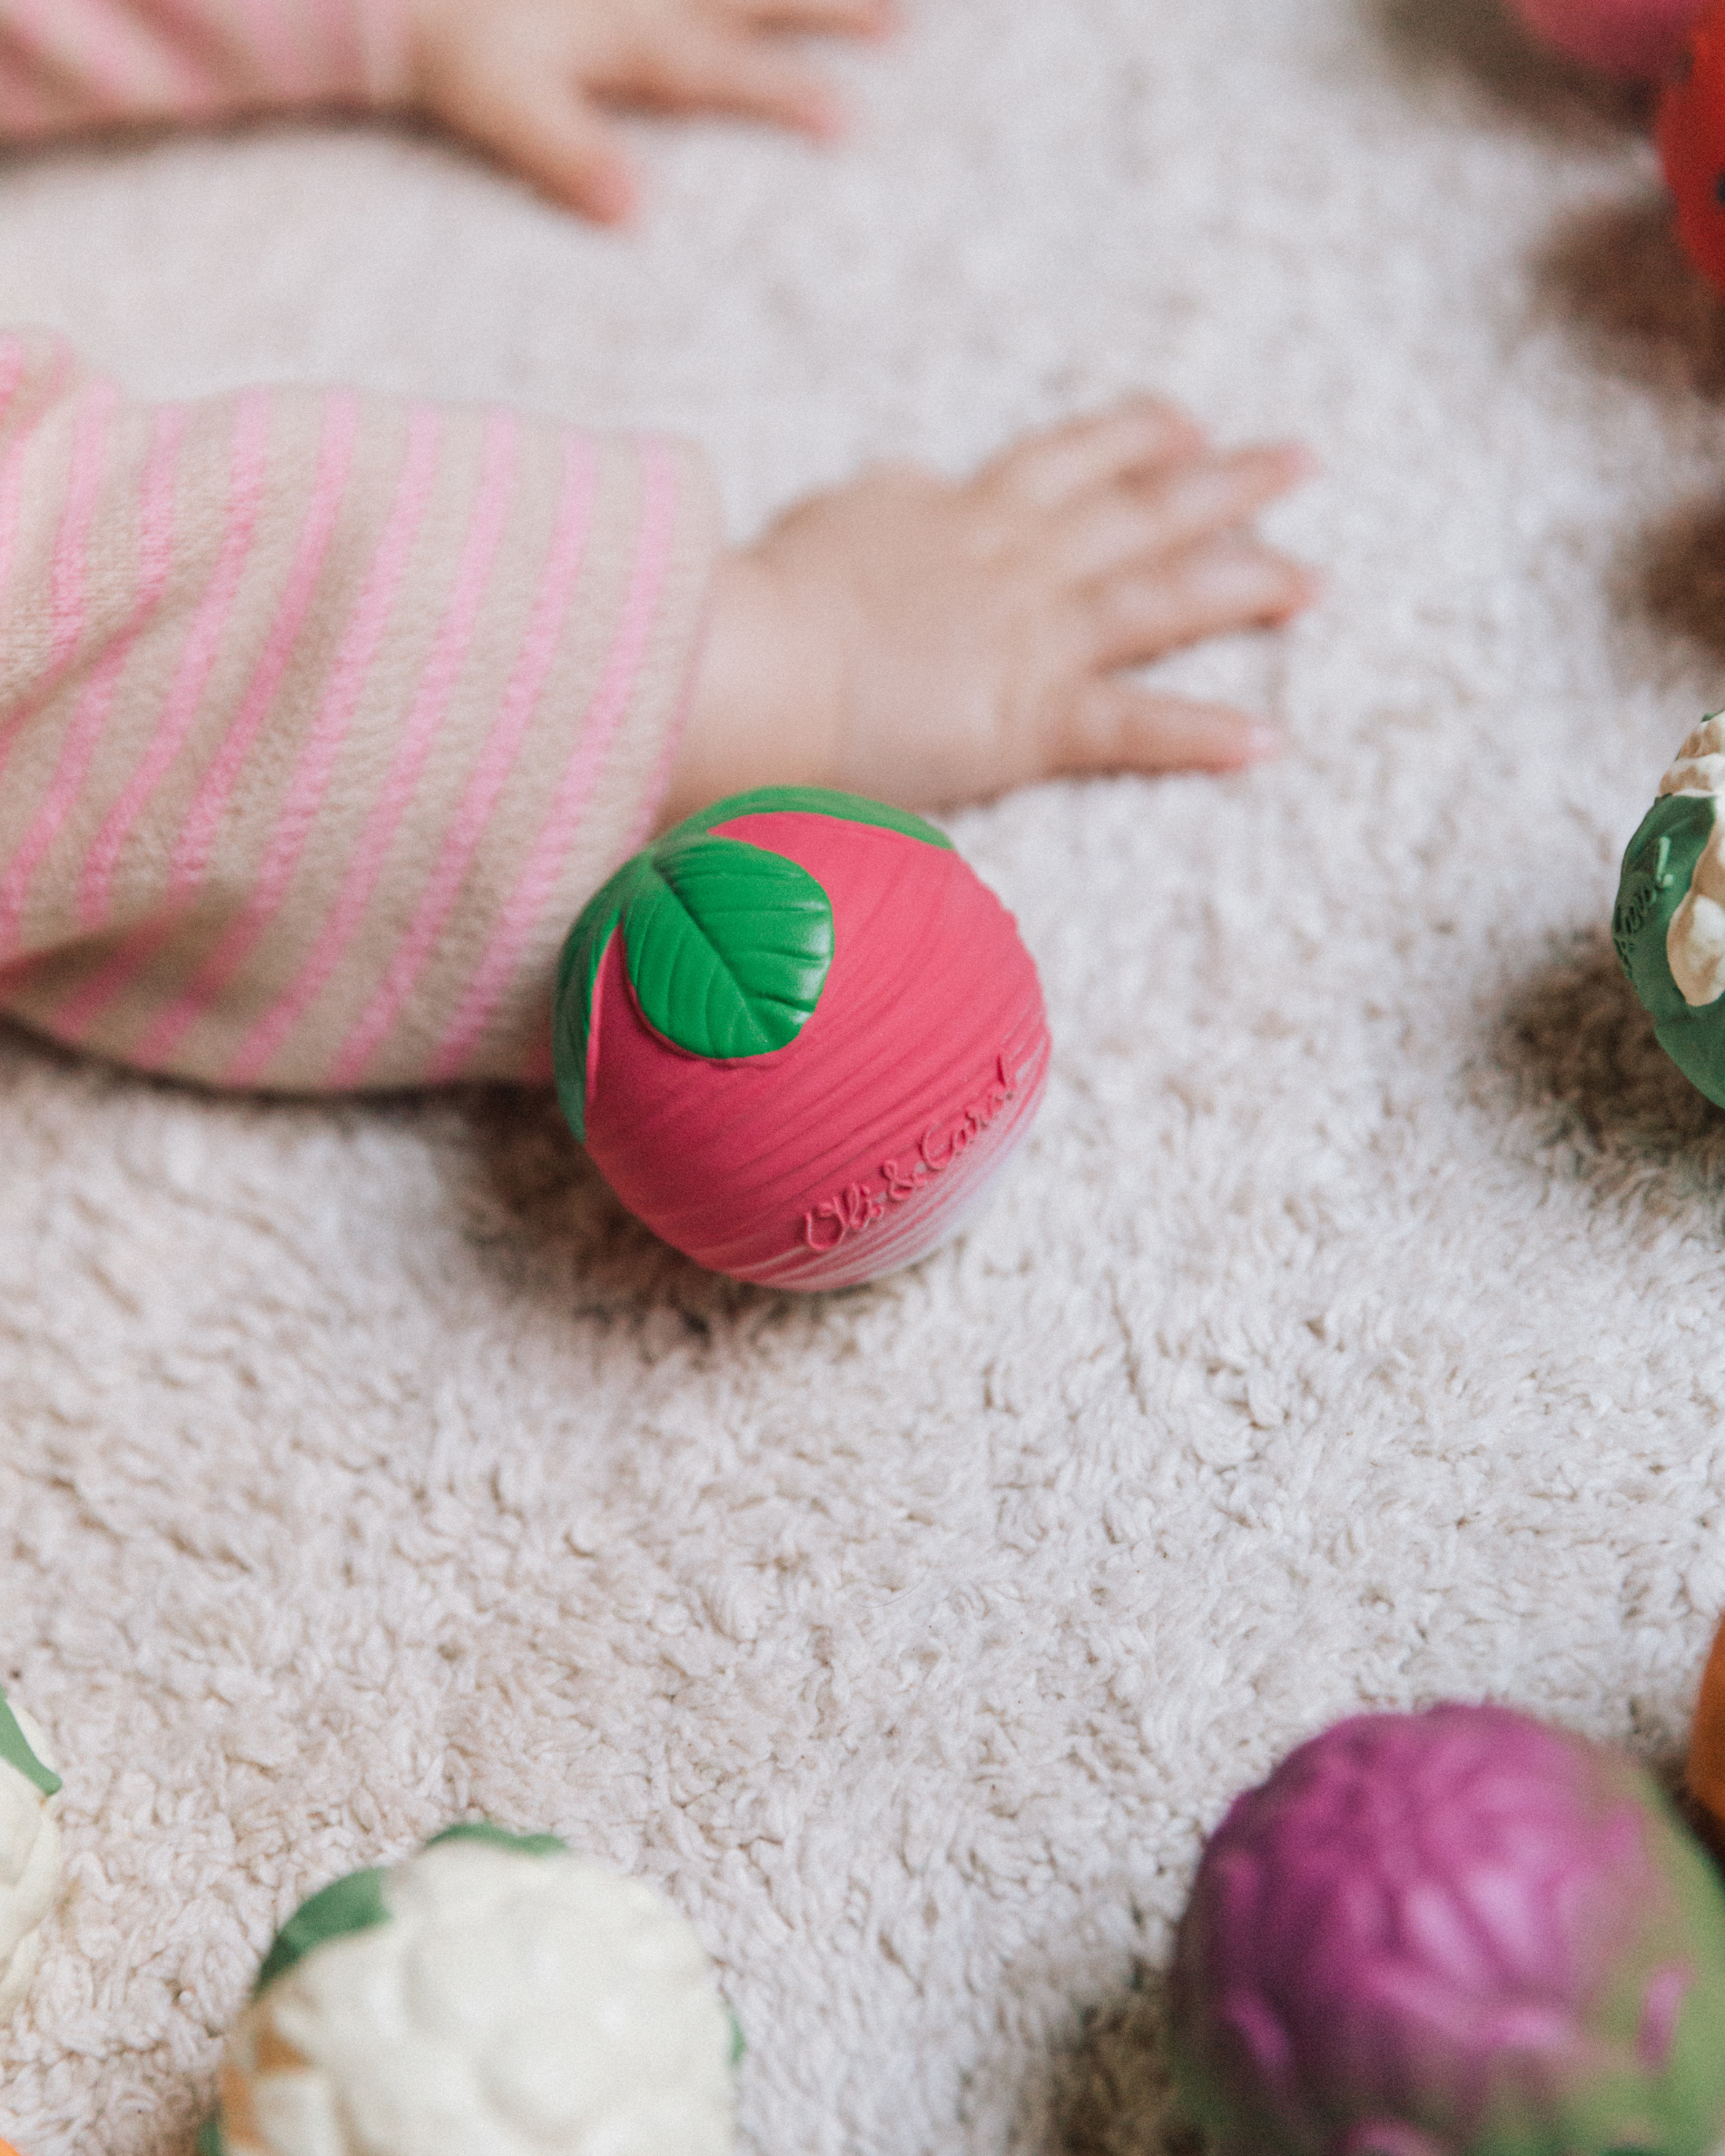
x=814 y=801
x=728 y=946
x=584 y=952
x=750 y=983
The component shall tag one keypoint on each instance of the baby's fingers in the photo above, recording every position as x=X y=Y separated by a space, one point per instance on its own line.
x=1231 y=582
x=555 y=138
x=1136 y=522
x=1113 y=726
x=1208 y=494
x=1077 y=457
x=833 y=18
x=752 y=78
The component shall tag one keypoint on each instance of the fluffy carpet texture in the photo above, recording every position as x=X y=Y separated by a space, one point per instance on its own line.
x=1349 y=1332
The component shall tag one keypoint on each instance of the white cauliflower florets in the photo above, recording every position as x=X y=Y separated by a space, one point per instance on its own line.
x=29 y=1850
x=1700 y=763
x=500 y=1999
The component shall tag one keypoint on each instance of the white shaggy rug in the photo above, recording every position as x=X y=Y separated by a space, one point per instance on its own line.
x=1350 y=1333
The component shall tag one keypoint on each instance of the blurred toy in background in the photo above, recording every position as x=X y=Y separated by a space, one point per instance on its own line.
x=1460 y=1932
x=799 y=1037
x=29 y=1849
x=1668 y=926
x=1635 y=40
x=492 y=1995
x=1691 y=142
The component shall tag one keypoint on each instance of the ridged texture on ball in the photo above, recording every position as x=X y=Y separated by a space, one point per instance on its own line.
x=1636 y=40
x=862 y=1143
x=483 y=1999
x=1455 y=1934
x=1691 y=142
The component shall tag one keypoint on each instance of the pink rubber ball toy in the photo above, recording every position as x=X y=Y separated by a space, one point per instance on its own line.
x=799 y=1037
x=1635 y=40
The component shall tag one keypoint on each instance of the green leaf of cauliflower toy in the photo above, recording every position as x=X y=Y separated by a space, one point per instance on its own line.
x=29 y=1850
x=493 y=1995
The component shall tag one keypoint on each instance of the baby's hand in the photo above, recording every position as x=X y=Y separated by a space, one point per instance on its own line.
x=930 y=643
x=531 y=80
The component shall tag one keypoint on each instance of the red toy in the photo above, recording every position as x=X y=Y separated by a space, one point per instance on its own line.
x=1636 y=40
x=1691 y=142
x=1705 y=1773
x=798 y=1036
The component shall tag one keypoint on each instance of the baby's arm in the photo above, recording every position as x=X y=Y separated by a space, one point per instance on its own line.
x=322 y=716
x=530 y=81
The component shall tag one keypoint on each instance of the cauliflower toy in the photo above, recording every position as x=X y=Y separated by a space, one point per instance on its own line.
x=1668 y=923
x=1635 y=40
x=493 y=1995
x=1453 y=1933
x=1691 y=142
x=799 y=1037
x=29 y=1850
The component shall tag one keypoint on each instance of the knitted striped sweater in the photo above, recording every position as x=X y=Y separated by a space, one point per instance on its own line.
x=321 y=715
x=68 y=64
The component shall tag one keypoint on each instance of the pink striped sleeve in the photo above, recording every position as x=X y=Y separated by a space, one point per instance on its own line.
x=78 y=63
x=320 y=718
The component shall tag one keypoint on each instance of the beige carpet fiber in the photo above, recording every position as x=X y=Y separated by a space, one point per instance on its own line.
x=1351 y=1330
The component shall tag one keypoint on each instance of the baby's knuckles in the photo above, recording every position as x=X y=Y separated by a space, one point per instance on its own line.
x=458 y=47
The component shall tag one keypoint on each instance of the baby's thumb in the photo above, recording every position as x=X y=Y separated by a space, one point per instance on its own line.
x=1115 y=726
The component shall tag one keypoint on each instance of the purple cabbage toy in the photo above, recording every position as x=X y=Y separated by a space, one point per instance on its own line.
x=1459 y=1933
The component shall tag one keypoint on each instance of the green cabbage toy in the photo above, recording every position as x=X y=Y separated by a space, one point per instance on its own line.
x=1669 y=923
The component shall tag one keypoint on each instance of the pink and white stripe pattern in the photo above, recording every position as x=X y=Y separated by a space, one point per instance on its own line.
x=70 y=64
x=320 y=718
